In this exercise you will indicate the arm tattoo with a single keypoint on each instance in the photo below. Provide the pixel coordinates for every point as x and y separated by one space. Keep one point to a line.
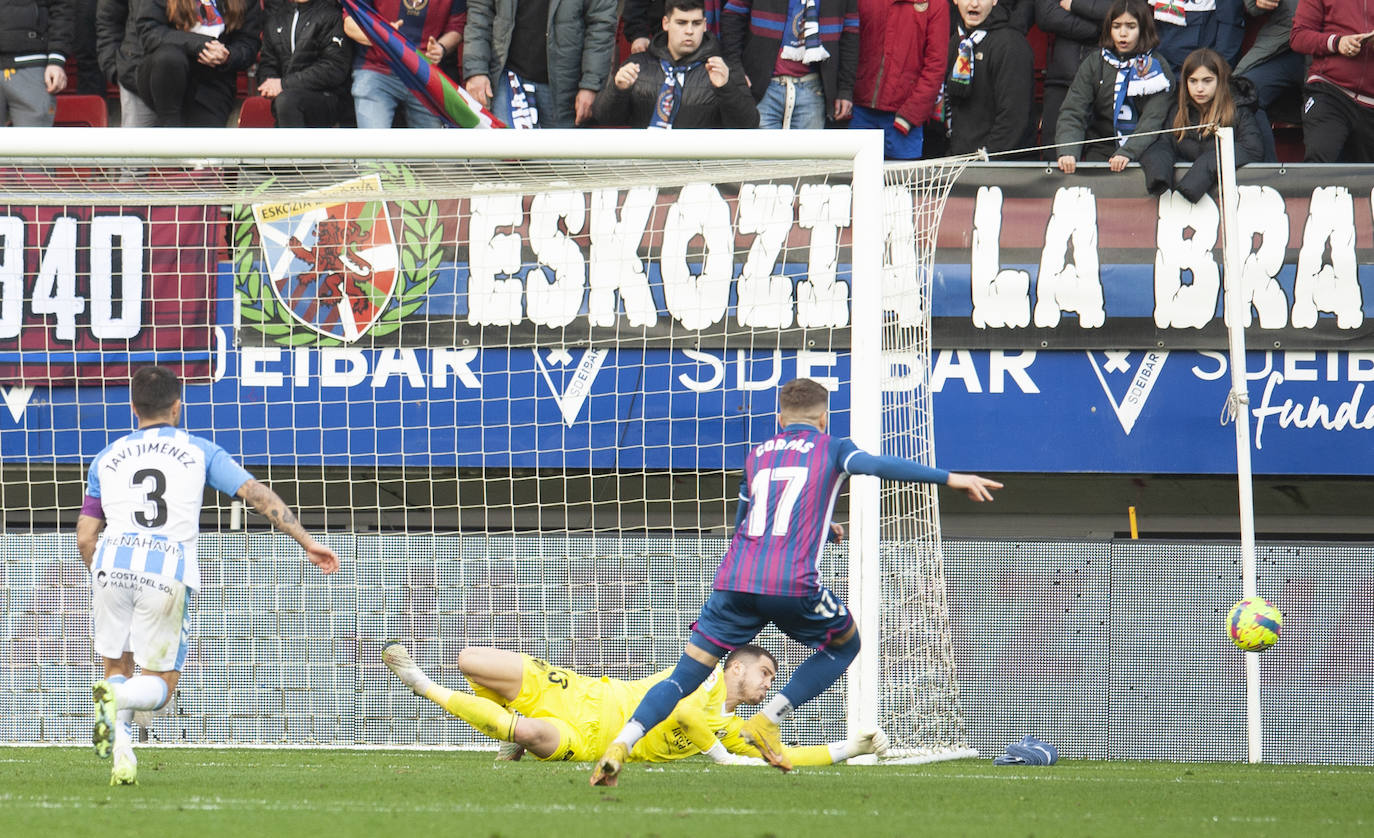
272 507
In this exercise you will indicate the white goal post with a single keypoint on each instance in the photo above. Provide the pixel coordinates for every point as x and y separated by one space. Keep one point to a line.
570 505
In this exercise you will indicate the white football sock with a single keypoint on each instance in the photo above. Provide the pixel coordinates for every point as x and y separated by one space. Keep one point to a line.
631 733
141 692
124 735
777 709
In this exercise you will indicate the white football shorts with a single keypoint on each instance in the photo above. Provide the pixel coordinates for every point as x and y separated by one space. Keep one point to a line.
143 613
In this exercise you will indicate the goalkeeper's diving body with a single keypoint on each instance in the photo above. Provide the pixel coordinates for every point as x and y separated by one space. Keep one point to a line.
769 572
559 715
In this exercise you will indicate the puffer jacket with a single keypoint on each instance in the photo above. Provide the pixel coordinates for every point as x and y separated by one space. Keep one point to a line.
34 33
322 56
1167 149
903 47
701 105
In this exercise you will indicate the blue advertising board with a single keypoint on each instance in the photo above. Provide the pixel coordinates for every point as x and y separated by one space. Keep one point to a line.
359 339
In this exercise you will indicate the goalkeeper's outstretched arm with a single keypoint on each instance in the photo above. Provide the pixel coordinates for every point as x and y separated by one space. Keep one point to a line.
868 742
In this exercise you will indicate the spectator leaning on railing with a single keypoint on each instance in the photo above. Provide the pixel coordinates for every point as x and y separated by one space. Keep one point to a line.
1338 115
1120 95
35 36
1208 97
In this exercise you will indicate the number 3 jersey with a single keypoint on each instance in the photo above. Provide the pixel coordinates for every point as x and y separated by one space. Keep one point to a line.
148 486
787 496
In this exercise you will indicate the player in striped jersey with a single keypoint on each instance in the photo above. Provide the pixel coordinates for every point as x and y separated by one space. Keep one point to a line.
562 716
769 572
137 535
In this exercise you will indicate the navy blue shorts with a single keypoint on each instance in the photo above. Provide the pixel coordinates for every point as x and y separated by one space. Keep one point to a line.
730 619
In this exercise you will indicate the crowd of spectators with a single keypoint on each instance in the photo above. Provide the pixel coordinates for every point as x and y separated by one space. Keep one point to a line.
1070 79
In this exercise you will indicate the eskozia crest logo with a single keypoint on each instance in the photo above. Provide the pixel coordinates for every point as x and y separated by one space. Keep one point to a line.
335 268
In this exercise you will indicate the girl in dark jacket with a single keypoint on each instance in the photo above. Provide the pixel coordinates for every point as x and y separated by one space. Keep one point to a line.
1120 94
1208 98
193 51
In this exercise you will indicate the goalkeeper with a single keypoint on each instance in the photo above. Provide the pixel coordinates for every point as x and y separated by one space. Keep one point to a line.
562 716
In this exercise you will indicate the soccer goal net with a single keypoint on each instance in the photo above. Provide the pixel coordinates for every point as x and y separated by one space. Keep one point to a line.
511 378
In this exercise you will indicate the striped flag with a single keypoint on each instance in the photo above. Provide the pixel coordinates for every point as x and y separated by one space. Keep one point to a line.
449 101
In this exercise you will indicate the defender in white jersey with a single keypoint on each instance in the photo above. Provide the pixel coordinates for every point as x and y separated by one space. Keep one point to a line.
137 533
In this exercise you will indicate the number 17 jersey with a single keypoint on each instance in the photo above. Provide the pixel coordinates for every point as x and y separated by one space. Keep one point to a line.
149 485
789 487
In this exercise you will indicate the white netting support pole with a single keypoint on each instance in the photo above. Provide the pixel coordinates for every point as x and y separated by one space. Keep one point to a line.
865 418
1238 405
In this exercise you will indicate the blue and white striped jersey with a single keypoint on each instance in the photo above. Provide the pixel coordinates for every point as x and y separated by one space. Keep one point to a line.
149 485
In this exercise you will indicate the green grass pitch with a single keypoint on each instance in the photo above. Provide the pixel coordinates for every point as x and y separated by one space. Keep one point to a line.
60 792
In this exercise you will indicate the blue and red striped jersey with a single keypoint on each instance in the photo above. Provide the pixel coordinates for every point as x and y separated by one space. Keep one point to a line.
790 484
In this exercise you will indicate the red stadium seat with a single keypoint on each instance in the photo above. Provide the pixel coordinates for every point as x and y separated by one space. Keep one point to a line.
256 112
1288 142
76 110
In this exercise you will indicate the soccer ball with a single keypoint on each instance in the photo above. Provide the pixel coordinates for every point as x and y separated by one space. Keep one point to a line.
1254 624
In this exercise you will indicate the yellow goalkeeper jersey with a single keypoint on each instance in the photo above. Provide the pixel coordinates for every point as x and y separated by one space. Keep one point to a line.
694 725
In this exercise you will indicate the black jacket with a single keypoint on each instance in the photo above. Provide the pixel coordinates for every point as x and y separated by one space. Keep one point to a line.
116 41
702 105
1076 35
993 111
35 32
323 57
1159 159
643 18
155 30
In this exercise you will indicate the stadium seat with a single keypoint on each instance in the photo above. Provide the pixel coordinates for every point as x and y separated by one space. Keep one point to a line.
256 112
76 110
1288 142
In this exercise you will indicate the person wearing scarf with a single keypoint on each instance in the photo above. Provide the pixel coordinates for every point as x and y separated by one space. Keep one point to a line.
1120 95
680 81
991 79
799 57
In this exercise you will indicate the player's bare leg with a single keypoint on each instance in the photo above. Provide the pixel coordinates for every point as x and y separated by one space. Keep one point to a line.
499 722
503 673
499 670
116 698
104 705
